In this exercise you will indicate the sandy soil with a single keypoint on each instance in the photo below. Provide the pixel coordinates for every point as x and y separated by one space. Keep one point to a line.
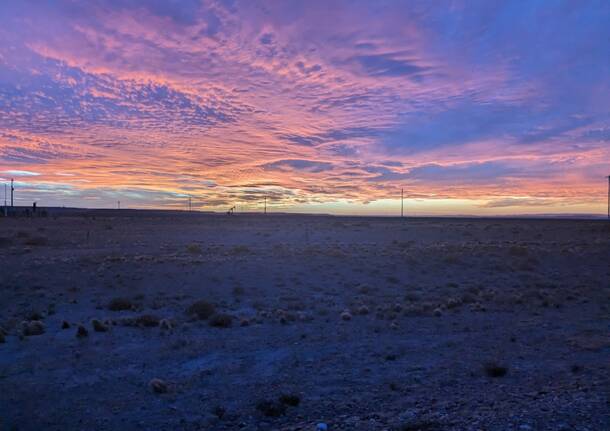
363 323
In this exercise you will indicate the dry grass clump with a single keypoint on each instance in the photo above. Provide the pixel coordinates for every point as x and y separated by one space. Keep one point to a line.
120 304
147 320
518 251
81 331
494 370
201 309
33 327
158 386
419 426
193 248
34 315
221 320
219 411
239 249
98 326
271 408
36 241
363 310
166 324
292 400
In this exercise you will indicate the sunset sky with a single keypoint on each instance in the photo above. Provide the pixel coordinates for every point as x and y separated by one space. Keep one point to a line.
473 107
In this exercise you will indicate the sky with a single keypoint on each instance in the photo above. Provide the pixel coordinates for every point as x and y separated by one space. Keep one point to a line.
470 107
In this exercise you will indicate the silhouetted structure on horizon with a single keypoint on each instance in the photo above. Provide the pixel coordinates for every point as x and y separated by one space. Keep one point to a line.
609 197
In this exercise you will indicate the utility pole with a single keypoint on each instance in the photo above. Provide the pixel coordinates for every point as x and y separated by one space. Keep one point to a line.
608 197
265 204
118 204
12 192
402 205
190 204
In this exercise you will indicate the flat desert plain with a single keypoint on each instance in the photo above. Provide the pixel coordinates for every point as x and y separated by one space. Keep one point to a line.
120 320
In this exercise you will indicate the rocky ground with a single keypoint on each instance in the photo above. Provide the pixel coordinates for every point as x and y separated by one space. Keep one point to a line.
160 321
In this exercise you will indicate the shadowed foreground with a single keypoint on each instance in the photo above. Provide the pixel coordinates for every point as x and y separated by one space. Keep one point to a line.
281 322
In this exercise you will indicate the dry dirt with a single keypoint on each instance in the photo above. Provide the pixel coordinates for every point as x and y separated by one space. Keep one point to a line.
166 321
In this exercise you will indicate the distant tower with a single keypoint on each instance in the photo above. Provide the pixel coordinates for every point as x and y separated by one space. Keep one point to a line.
12 191
402 205
118 204
265 204
190 203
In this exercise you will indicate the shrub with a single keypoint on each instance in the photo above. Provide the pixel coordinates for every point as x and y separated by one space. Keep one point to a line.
147 320
201 309
193 248
221 320
158 386
290 399
98 326
516 250
34 327
36 241
494 370
81 331
271 408
120 304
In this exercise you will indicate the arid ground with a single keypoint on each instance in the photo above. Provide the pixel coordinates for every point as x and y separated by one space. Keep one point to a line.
166 321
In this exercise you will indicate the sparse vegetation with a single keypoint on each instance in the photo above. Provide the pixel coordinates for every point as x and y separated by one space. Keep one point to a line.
158 386
193 248
166 324
346 315
36 241
201 309
219 412
518 251
495 370
271 408
290 399
120 304
98 326
81 331
33 327
221 320
147 320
